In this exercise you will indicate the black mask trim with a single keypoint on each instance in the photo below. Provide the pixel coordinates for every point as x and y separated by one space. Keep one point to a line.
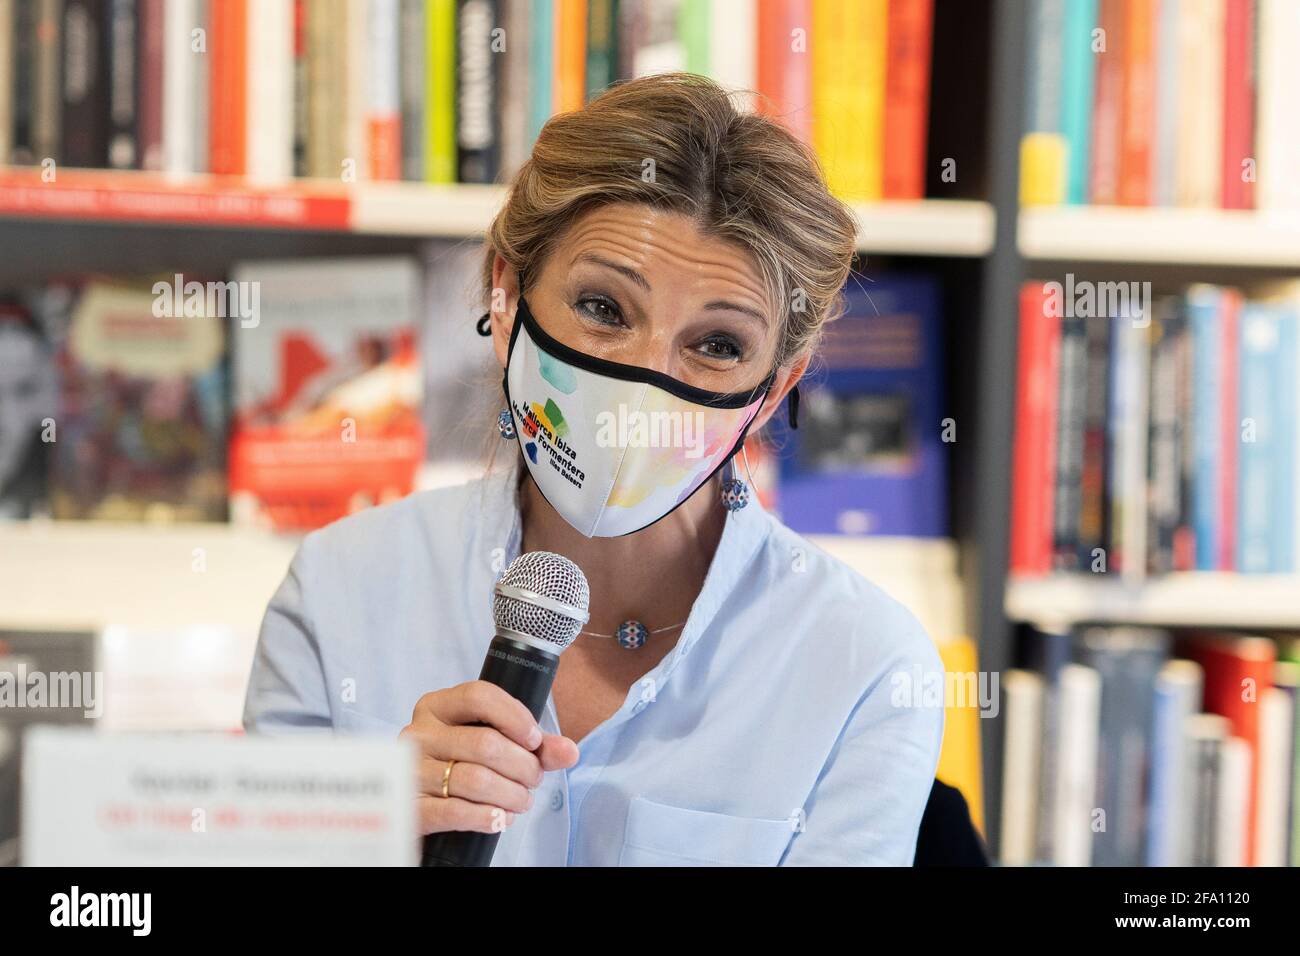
633 373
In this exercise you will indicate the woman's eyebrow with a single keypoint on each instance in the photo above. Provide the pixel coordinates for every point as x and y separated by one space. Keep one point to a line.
718 305
627 271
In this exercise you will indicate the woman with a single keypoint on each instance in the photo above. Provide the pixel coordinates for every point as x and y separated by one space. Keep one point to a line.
733 698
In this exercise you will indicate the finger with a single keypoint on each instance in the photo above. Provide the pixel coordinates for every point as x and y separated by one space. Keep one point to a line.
492 749
480 701
557 752
436 815
472 781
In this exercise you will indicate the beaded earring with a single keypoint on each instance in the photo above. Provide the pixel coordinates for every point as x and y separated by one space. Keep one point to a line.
506 425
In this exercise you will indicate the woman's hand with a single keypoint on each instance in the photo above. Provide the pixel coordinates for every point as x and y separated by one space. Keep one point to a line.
497 766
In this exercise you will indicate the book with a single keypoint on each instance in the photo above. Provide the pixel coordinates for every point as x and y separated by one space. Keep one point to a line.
1022 696
268 139
848 42
228 87
1177 698
142 424
1276 752
327 391
383 102
1207 735
1277 134
1239 72
783 76
1127 661
907 94
1034 444
85 83
1074 790
869 455
440 91
1237 671
29 410
478 90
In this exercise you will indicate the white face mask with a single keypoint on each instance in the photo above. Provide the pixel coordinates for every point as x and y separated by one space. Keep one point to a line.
614 447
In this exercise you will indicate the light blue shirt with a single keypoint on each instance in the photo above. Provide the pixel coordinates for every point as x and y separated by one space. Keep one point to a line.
778 731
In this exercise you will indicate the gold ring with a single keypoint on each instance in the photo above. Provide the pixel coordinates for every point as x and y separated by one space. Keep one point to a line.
446 779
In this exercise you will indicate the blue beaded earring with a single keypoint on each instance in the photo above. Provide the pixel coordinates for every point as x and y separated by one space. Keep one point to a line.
735 493
506 425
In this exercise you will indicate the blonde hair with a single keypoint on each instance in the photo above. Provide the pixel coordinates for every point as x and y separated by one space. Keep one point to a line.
675 141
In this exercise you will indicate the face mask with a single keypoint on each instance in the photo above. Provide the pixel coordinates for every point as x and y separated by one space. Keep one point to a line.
615 447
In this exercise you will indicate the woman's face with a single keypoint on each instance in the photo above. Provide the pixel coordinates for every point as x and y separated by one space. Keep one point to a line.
639 286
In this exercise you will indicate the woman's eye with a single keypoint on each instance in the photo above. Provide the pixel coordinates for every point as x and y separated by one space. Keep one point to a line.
721 347
601 310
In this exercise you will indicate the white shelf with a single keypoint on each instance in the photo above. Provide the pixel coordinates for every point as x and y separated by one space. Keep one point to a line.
931 227
1231 237
1184 599
928 227
423 209
72 574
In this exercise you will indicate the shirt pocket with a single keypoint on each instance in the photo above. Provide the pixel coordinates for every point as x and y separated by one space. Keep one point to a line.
661 835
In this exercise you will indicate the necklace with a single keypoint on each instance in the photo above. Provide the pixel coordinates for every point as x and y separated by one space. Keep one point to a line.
633 634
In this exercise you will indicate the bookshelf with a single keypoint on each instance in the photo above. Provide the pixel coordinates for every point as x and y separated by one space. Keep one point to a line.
934 227
1183 599
1179 237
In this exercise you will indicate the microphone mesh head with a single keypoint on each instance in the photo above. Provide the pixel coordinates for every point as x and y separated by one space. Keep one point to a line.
552 576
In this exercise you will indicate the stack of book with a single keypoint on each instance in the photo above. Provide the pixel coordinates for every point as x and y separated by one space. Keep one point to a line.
1156 433
1133 746
1162 103
446 90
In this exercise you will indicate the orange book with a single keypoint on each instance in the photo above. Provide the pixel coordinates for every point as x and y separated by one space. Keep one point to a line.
1137 103
784 82
1107 111
227 85
907 97
570 54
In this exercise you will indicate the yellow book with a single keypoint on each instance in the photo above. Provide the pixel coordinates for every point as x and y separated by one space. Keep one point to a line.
440 92
959 756
847 46
1043 164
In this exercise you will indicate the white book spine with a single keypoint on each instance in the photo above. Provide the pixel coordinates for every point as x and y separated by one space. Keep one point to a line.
733 47
1200 103
179 93
269 113
1076 782
1277 135
1023 694
1233 802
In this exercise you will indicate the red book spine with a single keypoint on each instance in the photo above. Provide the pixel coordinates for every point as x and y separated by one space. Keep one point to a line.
907 94
1033 476
227 46
784 81
1138 116
1230 435
1107 113
1237 672
150 97
1238 102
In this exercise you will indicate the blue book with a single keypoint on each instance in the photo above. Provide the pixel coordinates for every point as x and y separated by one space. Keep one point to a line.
1286 549
869 455
1078 64
1203 314
541 66
1177 697
1259 382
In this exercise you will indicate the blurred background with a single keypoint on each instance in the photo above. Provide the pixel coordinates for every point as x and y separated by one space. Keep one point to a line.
242 257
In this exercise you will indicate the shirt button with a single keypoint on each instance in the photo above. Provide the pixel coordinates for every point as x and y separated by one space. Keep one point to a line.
557 800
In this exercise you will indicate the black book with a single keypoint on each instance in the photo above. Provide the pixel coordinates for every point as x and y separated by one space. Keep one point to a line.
85 83
478 85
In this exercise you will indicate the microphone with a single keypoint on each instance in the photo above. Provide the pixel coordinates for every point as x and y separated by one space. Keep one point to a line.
538 606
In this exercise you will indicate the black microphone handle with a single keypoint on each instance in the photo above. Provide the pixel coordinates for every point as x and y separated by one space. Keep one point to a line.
525 673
